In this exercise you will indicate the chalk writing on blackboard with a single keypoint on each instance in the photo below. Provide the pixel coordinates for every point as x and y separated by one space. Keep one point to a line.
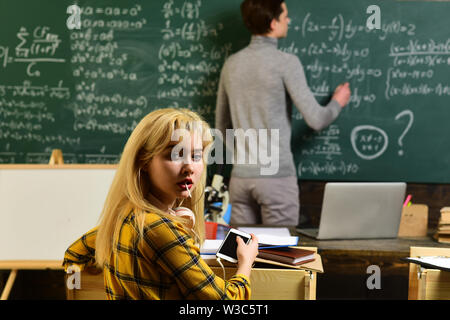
83 90
369 142
410 115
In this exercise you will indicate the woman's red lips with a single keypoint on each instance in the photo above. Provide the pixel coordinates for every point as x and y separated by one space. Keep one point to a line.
185 184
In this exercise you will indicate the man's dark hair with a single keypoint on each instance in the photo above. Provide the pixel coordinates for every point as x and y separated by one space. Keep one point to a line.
258 14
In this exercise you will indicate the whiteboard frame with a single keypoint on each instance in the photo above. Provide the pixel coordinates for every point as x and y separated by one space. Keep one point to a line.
44 264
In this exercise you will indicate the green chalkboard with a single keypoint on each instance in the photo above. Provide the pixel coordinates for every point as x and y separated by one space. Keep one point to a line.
396 124
83 90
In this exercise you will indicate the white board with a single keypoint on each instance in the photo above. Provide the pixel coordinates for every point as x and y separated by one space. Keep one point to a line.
44 210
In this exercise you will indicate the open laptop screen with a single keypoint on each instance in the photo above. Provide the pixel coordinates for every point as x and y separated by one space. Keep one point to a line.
361 210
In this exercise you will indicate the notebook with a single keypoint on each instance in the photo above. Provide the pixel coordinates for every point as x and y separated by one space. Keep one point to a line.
288 255
359 210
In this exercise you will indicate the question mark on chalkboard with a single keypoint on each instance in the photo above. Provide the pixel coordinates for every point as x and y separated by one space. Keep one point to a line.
410 114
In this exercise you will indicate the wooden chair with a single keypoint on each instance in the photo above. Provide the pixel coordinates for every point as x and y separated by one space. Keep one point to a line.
267 284
92 286
278 284
428 284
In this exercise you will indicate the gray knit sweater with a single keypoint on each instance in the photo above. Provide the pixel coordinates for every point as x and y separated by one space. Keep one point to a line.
257 87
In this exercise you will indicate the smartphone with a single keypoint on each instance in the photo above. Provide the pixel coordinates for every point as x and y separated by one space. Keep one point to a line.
227 249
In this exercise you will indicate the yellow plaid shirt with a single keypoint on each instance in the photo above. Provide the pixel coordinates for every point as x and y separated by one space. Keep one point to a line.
163 264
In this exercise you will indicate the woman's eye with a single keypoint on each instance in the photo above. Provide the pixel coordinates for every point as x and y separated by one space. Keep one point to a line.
175 156
197 157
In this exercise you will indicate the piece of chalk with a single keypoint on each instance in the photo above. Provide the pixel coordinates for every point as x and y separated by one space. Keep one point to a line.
189 191
407 200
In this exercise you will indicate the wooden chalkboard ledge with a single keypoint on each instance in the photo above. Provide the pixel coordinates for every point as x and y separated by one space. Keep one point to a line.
31 264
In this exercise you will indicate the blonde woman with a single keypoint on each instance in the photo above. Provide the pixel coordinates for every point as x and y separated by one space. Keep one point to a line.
148 248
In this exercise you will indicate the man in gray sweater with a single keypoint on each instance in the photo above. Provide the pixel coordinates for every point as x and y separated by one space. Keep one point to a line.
257 87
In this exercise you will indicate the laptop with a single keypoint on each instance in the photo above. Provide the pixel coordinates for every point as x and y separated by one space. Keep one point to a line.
359 210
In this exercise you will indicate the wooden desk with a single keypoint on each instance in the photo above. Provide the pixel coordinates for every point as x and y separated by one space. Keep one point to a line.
345 265
267 284
428 284
432 285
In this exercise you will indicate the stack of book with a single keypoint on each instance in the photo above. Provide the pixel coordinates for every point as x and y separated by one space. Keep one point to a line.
443 232
287 255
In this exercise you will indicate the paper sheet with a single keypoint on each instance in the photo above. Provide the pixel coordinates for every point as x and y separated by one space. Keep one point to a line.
279 232
437 261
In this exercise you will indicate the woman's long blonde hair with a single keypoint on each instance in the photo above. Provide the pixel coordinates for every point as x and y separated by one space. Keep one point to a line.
130 186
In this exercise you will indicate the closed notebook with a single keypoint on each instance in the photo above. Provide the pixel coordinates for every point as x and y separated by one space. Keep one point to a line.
287 255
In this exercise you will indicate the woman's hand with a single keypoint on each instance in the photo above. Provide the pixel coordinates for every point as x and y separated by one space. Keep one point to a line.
246 255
